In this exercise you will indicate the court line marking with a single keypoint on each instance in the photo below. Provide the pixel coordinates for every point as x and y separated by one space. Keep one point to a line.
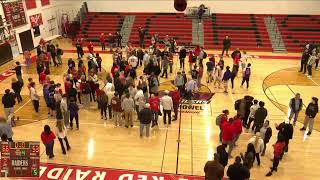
164 148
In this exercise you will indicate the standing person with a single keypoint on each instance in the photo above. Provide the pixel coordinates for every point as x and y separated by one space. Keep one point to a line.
226 45
182 56
47 138
90 47
179 82
217 75
128 109
311 112
110 93
228 135
220 120
119 38
27 57
259 117
200 74
133 61
304 60
191 87
167 104
225 79
295 107
210 66
116 109
34 97
311 61
102 40
252 113
145 116
59 54
140 55
18 70
237 171
61 132
102 104
223 155
16 86
277 151
192 59
237 128
248 157
53 54
236 56
99 61
286 131
213 169
154 102
258 144
165 65
65 110
175 95
74 113
246 75
79 48
142 33
265 133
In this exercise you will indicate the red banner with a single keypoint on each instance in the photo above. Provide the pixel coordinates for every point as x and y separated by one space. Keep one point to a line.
31 4
45 2
36 20
14 13
56 171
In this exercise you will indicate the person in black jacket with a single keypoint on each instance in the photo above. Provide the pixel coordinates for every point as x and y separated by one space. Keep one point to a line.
285 130
259 117
226 45
304 60
16 86
182 56
223 155
142 33
295 107
145 117
237 171
311 112
266 133
8 102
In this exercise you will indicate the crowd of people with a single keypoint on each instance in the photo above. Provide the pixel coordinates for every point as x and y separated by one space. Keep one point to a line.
124 96
310 57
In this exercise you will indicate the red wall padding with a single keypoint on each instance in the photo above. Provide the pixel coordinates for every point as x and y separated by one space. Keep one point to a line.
31 4
45 2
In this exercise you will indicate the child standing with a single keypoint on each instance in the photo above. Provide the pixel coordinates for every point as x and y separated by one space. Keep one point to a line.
47 138
225 79
217 75
246 75
62 135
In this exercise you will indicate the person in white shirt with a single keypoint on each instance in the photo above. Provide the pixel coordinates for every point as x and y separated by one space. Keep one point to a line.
167 104
133 61
217 76
253 110
139 100
34 96
191 86
258 144
61 133
65 110
110 95
146 59
244 60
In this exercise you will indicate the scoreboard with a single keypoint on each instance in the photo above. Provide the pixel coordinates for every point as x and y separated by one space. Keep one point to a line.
20 159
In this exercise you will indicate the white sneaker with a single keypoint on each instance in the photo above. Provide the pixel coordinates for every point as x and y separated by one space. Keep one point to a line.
309 76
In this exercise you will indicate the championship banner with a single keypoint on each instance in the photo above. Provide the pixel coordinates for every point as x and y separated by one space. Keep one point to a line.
14 13
36 20
57 171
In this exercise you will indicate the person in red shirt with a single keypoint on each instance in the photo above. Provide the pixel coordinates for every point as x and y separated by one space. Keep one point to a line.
190 60
220 120
154 102
237 127
42 76
114 69
90 47
236 56
102 40
278 148
228 135
175 95
47 138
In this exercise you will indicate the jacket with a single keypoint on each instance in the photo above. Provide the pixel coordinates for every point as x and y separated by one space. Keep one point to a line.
260 115
248 159
226 43
73 108
238 172
145 116
223 155
213 170
116 104
266 134
16 86
154 103
127 105
182 53
227 132
226 75
285 130
8 100
237 125
293 104
312 110
175 95
47 138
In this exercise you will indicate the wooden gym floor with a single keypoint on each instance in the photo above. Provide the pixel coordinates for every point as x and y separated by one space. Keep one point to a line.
99 144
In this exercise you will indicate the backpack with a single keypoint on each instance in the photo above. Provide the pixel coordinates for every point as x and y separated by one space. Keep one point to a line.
218 119
237 104
204 55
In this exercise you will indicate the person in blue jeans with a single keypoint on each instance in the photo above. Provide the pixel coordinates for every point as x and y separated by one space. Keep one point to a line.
74 109
47 138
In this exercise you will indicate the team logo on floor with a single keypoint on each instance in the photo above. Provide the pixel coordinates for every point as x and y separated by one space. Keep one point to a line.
201 99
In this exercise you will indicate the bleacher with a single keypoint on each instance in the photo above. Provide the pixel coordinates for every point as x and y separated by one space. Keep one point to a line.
246 32
298 30
174 25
